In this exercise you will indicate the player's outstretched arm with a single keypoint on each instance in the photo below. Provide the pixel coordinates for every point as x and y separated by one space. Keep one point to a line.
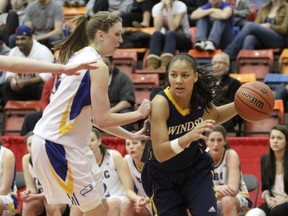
24 65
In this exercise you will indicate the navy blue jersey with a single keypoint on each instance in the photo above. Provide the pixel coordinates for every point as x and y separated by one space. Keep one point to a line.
179 123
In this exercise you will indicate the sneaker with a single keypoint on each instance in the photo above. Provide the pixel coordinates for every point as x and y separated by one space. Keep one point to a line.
209 46
200 45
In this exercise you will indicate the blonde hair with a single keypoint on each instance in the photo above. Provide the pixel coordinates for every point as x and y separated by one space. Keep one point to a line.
84 33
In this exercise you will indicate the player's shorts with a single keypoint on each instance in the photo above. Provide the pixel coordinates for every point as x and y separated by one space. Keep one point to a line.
173 192
9 205
68 175
245 205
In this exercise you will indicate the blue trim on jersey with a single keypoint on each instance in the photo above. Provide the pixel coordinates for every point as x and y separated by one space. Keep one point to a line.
56 155
82 97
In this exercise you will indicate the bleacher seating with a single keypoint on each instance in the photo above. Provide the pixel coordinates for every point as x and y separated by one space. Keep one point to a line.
260 62
203 57
72 12
14 113
273 80
263 127
126 60
243 78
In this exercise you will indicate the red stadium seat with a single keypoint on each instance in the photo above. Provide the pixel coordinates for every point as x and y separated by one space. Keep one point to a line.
13 115
126 60
259 62
203 57
263 127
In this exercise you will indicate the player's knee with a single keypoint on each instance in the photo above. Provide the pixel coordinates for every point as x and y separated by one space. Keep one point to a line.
256 212
228 203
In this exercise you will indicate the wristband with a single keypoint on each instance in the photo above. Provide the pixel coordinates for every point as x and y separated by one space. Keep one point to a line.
175 146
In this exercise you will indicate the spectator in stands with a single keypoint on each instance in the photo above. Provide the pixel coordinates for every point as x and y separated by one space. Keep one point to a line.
281 92
46 19
274 174
121 91
269 30
192 6
27 86
32 118
241 12
34 202
232 193
227 87
140 14
172 33
13 19
111 164
214 25
116 7
137 203
8 196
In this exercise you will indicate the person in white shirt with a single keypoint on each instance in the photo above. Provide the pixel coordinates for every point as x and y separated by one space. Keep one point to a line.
27 86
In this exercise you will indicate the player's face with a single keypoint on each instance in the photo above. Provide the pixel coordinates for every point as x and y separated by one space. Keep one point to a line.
112 39
277 141
182 78
216 143
95 142
134 149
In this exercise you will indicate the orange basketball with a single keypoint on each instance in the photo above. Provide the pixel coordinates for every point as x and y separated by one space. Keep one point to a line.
254 101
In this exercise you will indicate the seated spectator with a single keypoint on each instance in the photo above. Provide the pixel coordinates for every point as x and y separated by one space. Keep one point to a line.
192 6
241 12
138 203
214 25
140 15
227 87
274 174
172 33
111 164
34 202
32 118
269 30
46 19
121 91
13 19
8 196
26 86
117 7
232 193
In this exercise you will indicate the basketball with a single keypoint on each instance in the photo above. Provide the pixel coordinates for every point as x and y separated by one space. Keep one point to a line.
254 101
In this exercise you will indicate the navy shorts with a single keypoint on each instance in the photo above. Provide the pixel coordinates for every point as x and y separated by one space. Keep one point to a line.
173 192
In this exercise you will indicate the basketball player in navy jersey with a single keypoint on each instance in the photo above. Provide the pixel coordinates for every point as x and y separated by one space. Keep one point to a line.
179 173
